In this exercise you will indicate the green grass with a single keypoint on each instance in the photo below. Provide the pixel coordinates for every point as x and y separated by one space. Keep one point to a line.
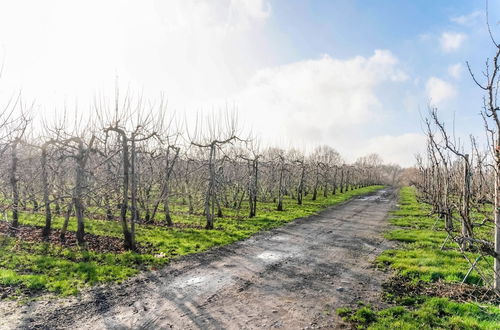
46 267
420 259
433 313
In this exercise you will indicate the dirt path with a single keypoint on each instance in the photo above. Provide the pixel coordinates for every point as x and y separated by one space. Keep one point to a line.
292 277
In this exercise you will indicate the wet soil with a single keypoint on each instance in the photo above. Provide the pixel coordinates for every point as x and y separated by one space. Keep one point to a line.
102 244
292 277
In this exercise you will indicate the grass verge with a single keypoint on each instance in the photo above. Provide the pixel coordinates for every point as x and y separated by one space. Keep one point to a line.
428 293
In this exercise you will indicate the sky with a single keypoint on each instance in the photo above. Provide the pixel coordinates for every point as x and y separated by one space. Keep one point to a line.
356 75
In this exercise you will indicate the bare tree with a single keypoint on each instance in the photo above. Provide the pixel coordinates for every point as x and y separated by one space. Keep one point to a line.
218 133
491 115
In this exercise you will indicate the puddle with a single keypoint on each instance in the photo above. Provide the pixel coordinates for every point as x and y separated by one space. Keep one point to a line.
190 281
379 196
270 256
370 246
369 198
280 238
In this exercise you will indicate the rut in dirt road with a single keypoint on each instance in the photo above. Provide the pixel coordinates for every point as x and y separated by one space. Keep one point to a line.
292 277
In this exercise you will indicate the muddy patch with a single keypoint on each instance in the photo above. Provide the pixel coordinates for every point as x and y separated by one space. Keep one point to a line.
101 244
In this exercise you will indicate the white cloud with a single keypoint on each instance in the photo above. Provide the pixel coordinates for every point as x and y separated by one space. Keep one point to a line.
469 19
455 70
439 91
451 41
399 149
326 100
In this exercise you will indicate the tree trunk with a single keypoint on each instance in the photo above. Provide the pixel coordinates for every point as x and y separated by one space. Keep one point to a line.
67 215
219 208
169 167
300 191
166 207
496 265
466 223
46 201
109 211
209 198
14 186
252 191
335 181
280 188
168 217
127 235
326 178
341 180
347 180
188 190
57 206
78 194
134 217
316 183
